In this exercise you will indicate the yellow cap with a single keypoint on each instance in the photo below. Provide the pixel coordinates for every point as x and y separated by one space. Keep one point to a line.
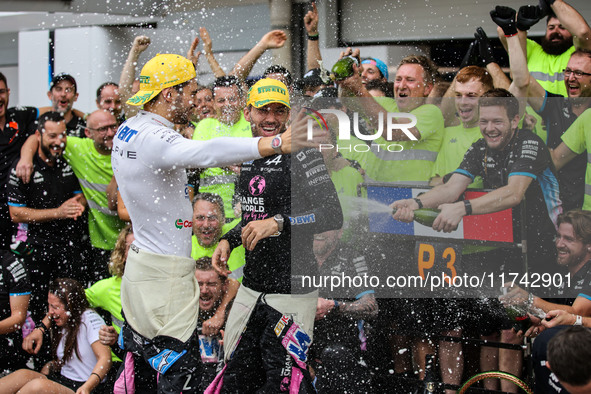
161 72
267 91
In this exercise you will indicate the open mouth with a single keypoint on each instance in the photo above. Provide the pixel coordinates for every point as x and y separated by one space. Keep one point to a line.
270 129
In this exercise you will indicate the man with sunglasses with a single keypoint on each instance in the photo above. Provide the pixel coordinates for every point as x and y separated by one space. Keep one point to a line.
559 112
90 158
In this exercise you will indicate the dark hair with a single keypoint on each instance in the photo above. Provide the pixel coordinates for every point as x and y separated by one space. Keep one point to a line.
581 222
51 116
99 91
206 264
551 15
569 353
469 73
377 84
277 69
211 198
227 81
429 68
72 295
3 79
502 98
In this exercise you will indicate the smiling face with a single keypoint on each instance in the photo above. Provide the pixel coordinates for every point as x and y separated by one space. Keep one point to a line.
228 104
410 88
57 310
208 221
466 98
578 86
557 38
571 250
110 100
101 127
268 120
62 96
370 72
496 127
211 289
204 106
52 141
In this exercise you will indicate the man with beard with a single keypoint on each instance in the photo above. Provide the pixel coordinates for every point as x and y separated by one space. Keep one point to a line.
559 113
212 290
90 158
228 101
566 31
159 291
573 244
16 125
109 99
285 200
51 205
63 93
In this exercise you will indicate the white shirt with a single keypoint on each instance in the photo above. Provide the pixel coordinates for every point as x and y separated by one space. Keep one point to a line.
149 160
88 333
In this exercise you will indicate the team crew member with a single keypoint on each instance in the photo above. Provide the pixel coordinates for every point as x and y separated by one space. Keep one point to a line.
159 293
16 125
51 205
15 291
285 200
63 93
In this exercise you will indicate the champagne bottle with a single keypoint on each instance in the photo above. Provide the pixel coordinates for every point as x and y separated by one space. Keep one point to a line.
429 381
343 68
424 216
518 316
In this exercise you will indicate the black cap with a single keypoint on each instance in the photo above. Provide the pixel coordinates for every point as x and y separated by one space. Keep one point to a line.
63 77
313 78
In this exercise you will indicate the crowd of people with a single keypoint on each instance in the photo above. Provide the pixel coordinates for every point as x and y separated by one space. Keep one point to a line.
158 244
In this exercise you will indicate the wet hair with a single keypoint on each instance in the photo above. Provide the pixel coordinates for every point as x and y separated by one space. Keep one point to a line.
117 262
502 98
51 116
277 69
3 79
227 81
206 264
429 68
212 198
469 73
568 354
581 222
99 91
377 84
72 295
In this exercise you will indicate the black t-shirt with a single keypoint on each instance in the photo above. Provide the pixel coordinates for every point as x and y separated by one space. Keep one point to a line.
20 124
299 188
558 116
337 327
49 188
75 127
527 155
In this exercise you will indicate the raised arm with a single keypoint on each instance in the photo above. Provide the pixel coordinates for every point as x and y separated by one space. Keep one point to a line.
213 63
140 44
272 40
313 52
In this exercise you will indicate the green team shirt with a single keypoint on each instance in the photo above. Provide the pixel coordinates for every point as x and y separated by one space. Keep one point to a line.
456 141
94 173
106 294
414 161
547 69
218 180
578 138
237 257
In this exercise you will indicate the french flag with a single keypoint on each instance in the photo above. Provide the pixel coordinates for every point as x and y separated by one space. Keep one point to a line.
495 227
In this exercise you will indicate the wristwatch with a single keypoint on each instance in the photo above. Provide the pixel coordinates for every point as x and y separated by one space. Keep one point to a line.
579 321
279 219
276 143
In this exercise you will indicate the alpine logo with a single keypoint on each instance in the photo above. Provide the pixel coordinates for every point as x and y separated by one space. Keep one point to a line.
183 224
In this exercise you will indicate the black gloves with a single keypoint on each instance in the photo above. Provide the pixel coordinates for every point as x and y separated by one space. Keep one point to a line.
545 7
485 50
505 18
470 56
528 16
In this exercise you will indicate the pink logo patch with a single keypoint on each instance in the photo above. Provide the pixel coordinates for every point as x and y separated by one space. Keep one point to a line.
257 185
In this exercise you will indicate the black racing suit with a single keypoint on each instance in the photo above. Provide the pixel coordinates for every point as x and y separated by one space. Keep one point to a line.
299 188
